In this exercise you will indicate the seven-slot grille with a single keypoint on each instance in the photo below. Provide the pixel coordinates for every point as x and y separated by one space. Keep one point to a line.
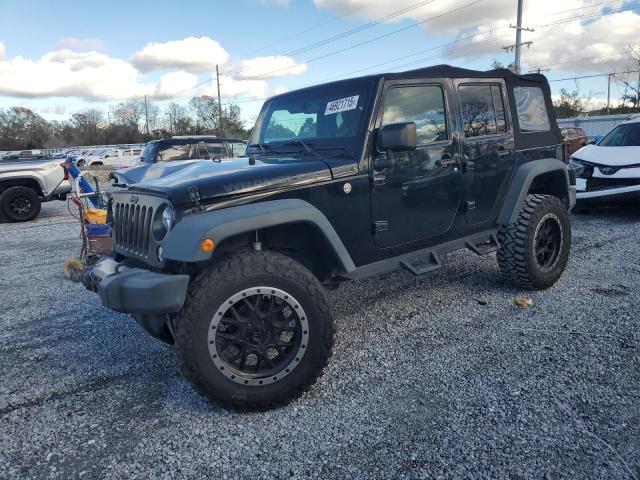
132 227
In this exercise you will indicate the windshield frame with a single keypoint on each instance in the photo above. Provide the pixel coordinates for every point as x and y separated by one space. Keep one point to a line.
367 86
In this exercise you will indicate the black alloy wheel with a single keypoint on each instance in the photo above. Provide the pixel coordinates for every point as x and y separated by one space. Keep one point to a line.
258 336
547 242
20 204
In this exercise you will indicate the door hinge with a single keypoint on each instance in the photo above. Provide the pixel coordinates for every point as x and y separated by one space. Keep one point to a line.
381 226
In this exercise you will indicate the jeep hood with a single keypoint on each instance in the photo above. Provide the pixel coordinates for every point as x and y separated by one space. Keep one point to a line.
220 179
610 156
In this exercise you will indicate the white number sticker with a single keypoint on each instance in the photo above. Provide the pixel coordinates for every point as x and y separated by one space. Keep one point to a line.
342 105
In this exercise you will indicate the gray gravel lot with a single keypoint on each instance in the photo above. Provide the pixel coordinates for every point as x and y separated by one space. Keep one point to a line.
439 376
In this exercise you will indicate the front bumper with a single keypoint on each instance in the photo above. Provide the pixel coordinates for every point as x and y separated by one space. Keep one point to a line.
137 290
611 196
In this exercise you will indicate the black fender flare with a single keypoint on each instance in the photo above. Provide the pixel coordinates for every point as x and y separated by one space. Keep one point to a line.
183 242
521 181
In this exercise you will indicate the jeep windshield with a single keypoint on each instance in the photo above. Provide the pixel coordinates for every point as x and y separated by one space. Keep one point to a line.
305 122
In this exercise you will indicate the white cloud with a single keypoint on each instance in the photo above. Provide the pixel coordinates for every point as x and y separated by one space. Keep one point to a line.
561 45
194 54
173 84
271 66
53 109
81 44
62 73
2 51
231 87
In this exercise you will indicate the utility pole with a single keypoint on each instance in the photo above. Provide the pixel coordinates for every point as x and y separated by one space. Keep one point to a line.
146 115
170 123
219 101
609 94
519 43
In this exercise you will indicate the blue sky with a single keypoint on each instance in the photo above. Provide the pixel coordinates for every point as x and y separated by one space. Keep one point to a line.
107 54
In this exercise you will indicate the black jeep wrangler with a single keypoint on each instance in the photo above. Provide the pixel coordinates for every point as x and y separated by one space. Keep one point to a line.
341 181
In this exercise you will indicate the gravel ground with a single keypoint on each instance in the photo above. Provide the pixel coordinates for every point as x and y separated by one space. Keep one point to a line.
439 376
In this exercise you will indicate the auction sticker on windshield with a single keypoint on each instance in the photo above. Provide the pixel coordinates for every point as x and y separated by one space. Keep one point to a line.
342 105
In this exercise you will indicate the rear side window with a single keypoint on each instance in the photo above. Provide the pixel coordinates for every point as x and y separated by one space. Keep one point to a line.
171 153
482 110
532 110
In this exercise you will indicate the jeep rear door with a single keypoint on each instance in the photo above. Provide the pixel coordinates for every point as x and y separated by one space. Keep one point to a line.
418 196
488 147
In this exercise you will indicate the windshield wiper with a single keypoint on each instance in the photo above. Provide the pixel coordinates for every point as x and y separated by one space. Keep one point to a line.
306 146
262 146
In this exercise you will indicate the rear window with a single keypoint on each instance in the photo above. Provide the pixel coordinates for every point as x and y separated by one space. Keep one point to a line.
532 110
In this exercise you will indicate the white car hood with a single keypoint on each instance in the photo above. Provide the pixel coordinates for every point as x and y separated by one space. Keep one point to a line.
611 156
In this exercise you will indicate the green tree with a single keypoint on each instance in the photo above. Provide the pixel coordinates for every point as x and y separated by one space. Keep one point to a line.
569 104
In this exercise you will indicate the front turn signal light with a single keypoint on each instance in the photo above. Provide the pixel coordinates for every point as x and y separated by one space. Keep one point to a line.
207 245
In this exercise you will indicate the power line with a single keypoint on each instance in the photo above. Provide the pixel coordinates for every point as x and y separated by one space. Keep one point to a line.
315 27
245 99
324 42
592 76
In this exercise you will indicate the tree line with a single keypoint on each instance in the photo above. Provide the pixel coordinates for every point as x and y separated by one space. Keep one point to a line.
132 121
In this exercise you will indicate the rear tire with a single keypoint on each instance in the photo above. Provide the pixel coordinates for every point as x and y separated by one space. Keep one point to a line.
534 250
20 204
255 332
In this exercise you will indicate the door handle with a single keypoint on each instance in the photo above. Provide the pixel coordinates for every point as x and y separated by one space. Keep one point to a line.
502 152
446 160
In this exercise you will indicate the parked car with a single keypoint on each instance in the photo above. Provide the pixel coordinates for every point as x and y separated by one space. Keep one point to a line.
167 151
342 181
118 158
86 155
609 172
574 140
26 183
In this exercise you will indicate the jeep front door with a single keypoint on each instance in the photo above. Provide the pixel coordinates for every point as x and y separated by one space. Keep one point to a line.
418 195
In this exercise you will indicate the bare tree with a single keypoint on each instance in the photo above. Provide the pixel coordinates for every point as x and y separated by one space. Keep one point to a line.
207 113
86 127
632 87
129 113
178 120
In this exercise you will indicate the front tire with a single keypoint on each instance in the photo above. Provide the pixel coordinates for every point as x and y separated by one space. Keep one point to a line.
20 204
255 332
534 250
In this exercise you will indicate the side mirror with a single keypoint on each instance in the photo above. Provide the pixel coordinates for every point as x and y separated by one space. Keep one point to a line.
398 137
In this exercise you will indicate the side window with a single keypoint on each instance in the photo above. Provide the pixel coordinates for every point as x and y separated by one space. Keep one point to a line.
173 152
423 105
215 150
237 149
482 110
532 110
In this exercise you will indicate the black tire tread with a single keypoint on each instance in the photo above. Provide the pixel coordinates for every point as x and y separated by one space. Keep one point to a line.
512 255
5 195
242 265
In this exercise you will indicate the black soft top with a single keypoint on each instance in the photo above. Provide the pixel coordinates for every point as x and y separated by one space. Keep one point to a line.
524 140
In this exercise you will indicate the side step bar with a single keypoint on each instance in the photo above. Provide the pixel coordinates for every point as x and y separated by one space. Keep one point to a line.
428 259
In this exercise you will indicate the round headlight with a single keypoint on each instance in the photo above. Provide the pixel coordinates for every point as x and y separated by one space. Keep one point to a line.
167 218
162 220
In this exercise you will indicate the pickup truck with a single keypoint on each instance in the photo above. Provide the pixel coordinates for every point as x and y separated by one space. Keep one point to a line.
26 183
